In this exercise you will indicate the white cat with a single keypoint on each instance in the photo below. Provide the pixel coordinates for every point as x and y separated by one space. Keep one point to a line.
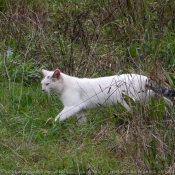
80 94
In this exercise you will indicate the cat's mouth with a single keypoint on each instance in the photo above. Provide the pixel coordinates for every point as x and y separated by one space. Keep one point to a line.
45 92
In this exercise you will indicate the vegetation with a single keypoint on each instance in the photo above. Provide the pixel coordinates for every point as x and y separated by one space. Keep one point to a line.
84 39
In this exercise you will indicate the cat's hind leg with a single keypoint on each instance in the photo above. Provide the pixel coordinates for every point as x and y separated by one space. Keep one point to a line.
159 96
81 117
125 105
168 102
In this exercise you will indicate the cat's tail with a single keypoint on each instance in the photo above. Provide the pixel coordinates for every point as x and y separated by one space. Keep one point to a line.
160 90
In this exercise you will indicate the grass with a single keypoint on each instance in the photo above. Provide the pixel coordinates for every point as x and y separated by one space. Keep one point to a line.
85 39
31 142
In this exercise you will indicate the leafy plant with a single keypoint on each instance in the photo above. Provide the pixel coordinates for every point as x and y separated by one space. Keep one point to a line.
85 39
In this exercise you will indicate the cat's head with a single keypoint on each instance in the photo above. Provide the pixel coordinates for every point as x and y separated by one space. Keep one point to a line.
52 81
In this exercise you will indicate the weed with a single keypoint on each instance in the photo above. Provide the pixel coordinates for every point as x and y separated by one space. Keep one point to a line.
84 38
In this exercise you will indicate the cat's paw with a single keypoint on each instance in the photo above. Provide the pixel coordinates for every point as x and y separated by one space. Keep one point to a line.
57 118
60 118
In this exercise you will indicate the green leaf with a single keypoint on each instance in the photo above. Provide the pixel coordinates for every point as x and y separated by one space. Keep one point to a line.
132 51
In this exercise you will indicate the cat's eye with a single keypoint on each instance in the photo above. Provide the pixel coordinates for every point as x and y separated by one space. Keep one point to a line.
47 84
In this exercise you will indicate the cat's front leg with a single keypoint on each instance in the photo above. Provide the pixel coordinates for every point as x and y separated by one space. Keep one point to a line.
67 112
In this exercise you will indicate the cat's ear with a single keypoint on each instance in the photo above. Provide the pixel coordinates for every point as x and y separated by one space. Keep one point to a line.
56 74
45 72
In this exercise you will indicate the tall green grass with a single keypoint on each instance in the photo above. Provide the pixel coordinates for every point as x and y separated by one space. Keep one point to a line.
92 39
111 141
31 141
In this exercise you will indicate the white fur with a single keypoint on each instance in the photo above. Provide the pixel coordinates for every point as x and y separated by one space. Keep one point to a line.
81 94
